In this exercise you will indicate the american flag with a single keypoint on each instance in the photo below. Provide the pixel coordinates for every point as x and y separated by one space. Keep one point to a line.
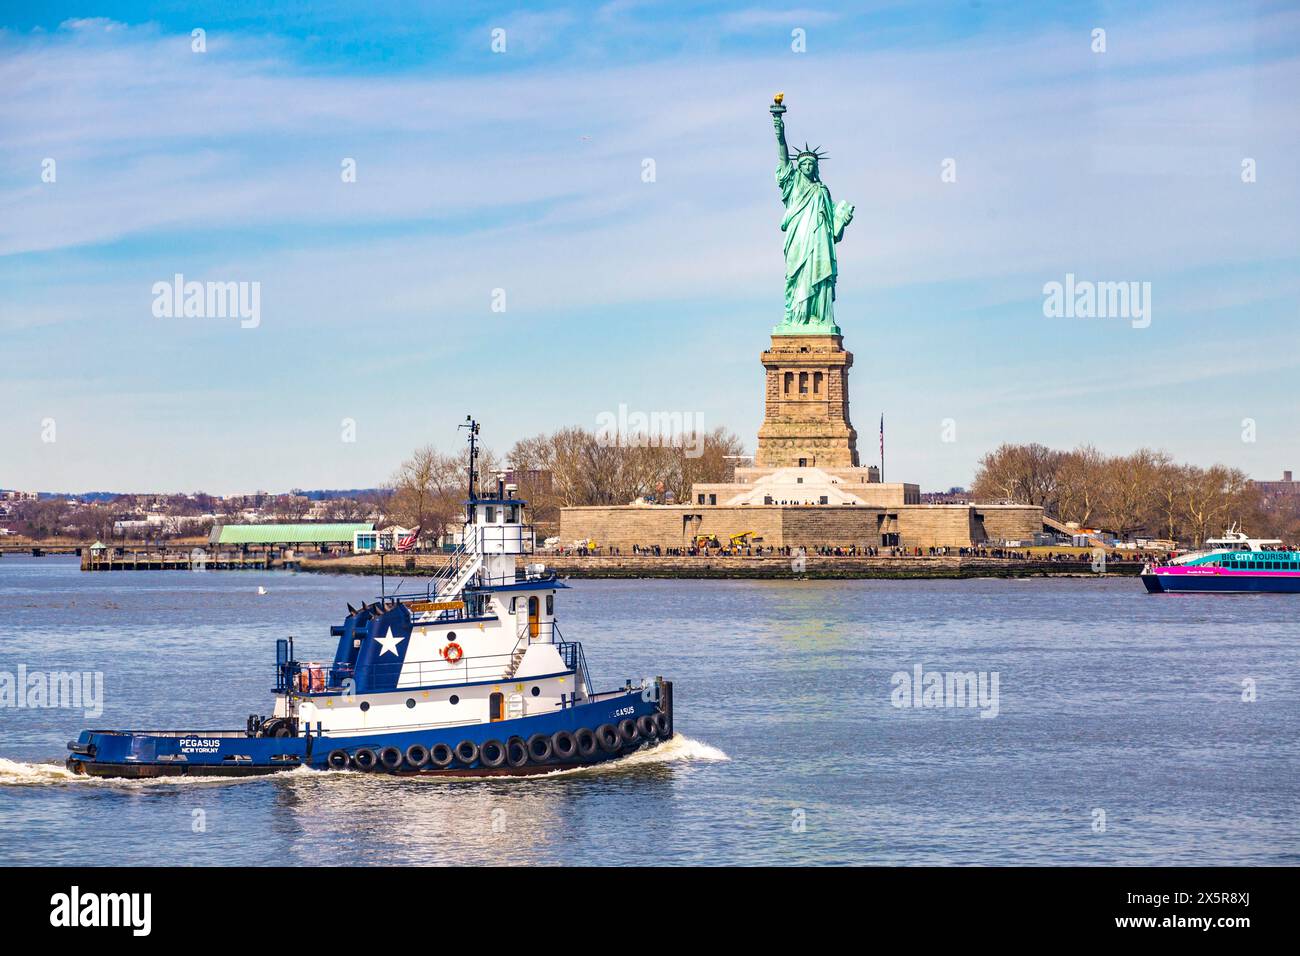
882 435
408 543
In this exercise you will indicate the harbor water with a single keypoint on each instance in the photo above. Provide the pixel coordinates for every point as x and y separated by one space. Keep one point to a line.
1104 726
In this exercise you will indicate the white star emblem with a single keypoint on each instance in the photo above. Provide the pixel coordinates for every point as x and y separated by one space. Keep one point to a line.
389 643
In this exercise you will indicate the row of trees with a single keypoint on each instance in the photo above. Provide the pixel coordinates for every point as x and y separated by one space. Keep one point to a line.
568 467
87 520
1142 493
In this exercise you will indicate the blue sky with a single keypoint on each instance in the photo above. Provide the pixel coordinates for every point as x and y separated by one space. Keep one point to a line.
522 171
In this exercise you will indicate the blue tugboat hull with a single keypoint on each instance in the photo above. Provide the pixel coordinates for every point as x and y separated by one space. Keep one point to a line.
136 754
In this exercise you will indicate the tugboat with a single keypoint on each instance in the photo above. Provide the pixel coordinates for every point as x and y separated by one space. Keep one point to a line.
470 677
1233 563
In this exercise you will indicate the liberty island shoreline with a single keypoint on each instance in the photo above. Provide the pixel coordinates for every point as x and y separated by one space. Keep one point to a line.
777 566
754 567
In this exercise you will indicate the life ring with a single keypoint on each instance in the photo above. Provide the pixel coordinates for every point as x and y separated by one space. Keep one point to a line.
452 653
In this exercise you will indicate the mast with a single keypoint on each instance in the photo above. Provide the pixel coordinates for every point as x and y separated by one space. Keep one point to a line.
472 426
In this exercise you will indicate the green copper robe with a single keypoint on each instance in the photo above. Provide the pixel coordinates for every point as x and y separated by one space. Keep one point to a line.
812 225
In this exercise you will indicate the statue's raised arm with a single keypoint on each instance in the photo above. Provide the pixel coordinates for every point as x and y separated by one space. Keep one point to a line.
782 150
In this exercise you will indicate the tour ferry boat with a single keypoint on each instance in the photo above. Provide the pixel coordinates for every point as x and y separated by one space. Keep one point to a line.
469 677
1233 563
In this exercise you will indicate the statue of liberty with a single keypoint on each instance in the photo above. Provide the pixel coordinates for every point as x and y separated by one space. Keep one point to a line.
812 225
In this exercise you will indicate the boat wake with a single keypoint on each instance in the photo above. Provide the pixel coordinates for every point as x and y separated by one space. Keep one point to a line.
14 773
680 749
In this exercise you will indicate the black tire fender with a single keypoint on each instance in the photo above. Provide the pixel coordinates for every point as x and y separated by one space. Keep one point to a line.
608 739
390 757
467 752
365 759
337 760
417 755
586 741
539 748
563 745
516 751
492 753
627 731
441 755
645 726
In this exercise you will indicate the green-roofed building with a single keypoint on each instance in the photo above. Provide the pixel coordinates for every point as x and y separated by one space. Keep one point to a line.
323 536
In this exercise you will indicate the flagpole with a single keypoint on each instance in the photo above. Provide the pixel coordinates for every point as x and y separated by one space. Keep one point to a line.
882 448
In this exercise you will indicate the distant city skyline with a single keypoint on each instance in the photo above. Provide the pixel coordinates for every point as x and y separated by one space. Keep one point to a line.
989 152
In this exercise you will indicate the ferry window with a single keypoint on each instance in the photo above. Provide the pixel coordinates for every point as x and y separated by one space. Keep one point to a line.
490 514
365 706
410 702
451 635
454 699
550 604
513 602
537 691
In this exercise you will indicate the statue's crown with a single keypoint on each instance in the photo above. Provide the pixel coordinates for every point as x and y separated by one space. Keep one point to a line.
814 151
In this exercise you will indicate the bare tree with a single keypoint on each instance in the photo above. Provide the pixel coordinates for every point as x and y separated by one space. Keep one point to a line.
1131 490
1210 496
1081 477
427 491
1023 473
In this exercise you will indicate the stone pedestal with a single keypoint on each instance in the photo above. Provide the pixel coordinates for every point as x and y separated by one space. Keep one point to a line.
807 416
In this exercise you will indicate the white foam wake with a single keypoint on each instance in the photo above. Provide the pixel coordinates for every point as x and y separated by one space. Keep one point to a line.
679 748
16 774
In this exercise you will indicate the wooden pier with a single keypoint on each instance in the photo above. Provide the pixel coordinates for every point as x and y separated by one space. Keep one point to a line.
186 559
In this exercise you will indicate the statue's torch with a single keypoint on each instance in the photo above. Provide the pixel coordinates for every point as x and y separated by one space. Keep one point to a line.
777 107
